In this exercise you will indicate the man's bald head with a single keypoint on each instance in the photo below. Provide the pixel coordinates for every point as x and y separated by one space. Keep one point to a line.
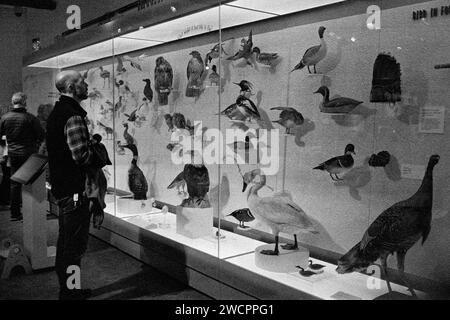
71 82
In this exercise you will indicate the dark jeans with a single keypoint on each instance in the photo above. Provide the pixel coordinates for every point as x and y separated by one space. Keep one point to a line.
16 162
73 236
5 185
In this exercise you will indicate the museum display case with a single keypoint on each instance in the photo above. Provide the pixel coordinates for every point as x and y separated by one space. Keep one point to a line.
272 150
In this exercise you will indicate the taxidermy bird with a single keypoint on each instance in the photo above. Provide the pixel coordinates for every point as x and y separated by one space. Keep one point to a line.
214 53
336 105
179 183
289 118
279 213
108 130
396 229
163 80
120 68
246 88
105 75
243 109
197 182
246 50
214 77
242 215
128 137
194 74
119 105
340 164
314 54
134 62
169 121
136 180
148 92
132 116
380 160
264 57
119 83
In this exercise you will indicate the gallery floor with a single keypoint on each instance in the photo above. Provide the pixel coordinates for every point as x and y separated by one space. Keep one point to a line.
111 274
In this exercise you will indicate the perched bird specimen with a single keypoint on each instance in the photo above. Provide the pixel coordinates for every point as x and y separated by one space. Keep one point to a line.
314 54
396 229
119 83
214 53
289 118
178 183
169 121
194 74
132 116
279 213
246 88
136 180
105 75
214 77
246 50
128 137
305 273
163 80
264 57
243 109
197 182
336 105
119 105
148 92
242 215
338 165
108 130
134 62
120 68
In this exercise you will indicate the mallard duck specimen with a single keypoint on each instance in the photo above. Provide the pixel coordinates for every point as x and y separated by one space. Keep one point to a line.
242 215
128 137
264 57
336 105
194 72
105 75
289 118
136 180
148 92
214 77
340 164
134 62
163 80
108 130
178 183
246 50
279 213
246 88
314 54
396 229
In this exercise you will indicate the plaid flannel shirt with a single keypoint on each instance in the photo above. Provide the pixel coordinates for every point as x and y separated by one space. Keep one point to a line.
78 140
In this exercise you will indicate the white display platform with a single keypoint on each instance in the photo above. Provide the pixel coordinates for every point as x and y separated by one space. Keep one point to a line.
194 222
284 262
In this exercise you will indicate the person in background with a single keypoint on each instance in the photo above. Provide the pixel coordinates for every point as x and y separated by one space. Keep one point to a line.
71 156
24 134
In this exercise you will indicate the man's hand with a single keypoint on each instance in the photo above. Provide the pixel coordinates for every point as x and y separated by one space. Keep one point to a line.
97 213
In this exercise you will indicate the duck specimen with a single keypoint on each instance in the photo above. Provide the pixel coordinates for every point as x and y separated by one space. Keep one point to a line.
289 118
264 57
396 229
135 63
314 54
246 88
242 215
315 266
214 77
105 75
163 80
136 180
305 273
148 92
179 183
128 137
243 109
336 105
246 50
194 72
108 130
279 213
338 165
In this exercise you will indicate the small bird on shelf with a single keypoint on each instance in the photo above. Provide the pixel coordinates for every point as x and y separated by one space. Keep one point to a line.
265 58
242 215
214 77
243 109
194 72
314 54
289 118
340 164
336 105
137 183
163 80
396 229
179 183
246 50
148 92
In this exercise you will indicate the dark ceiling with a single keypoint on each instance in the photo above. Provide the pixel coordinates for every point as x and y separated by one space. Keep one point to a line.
37 4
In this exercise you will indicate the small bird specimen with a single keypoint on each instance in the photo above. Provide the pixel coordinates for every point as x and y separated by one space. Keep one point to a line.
148 92
314 54
197 182
305 273
264 57
132 116
137 183
108 130
194 72
336 105
169 121
242 215
380 160
163 80
120 68
245 52
179 183
214 53
340 164
119 105
279 213
128 137
134 62
243 109
105 75
315 266
246 88
289 118
396 229
214 77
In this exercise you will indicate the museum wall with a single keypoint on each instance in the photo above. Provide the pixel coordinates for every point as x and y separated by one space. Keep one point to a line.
341 210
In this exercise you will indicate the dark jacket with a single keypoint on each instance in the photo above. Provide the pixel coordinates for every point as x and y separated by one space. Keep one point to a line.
23 132
66 176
